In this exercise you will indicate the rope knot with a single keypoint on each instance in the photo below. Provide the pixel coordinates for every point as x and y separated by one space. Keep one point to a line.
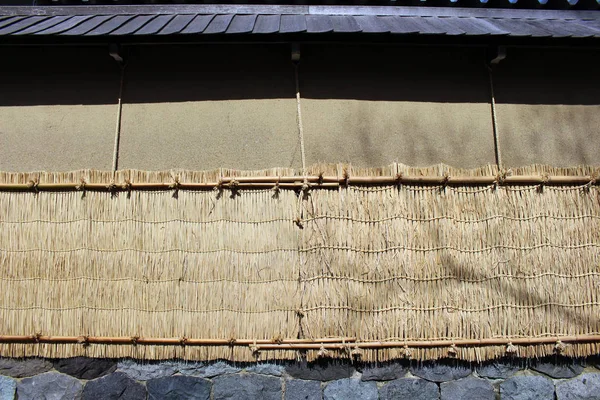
399 176
305 188
234 186
128 186
36 337
453 351
231 341
34 185
83 340
445 179
183 341
346 177
501 178
134 340
593 179
277 339
320 178
298 222
175 184
276 189
511 349
112 187
255 350
323 352
300 313
407 352
356 353
559 347
81 186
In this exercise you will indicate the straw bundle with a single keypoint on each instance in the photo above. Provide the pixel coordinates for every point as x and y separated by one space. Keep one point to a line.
395 263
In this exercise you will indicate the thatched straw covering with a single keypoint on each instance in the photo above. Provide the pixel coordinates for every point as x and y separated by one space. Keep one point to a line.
251 271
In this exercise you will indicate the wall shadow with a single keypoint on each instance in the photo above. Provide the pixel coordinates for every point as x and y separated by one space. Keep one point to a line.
52 75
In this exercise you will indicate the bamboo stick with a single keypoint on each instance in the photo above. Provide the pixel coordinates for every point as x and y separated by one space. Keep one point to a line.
436 343
297 344
295 182
124 340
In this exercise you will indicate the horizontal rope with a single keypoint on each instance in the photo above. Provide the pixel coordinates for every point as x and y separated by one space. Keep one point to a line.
316 248
162 310
315 308
315 218
149 281
450 308
448 277
312 278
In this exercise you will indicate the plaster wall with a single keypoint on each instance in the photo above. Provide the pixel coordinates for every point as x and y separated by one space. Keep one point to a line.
548 107
57 109
210 106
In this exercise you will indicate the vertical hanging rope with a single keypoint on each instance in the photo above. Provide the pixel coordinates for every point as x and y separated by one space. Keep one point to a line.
303 193
305 185
300 126
494 118
115 163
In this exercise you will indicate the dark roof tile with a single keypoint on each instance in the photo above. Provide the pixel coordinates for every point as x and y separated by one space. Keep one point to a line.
50 22
344 23
198 24
219 24
267 24
110 25
155 25
275 19
133 25
318 24
176 25
81 28
20 25
242 24
67 24
10 20
292 24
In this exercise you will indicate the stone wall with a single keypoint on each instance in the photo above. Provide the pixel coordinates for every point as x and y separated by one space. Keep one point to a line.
86 378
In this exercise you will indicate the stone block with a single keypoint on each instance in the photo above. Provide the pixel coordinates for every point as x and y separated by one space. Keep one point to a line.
49 385
84 367
350 389
409 389
114 386
24 367
497 370
298 389
387 372
470 388
558 370
584 387
320 371
246 386
178 387
525 387
216 369
7 388
141 371
267 369
440 372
